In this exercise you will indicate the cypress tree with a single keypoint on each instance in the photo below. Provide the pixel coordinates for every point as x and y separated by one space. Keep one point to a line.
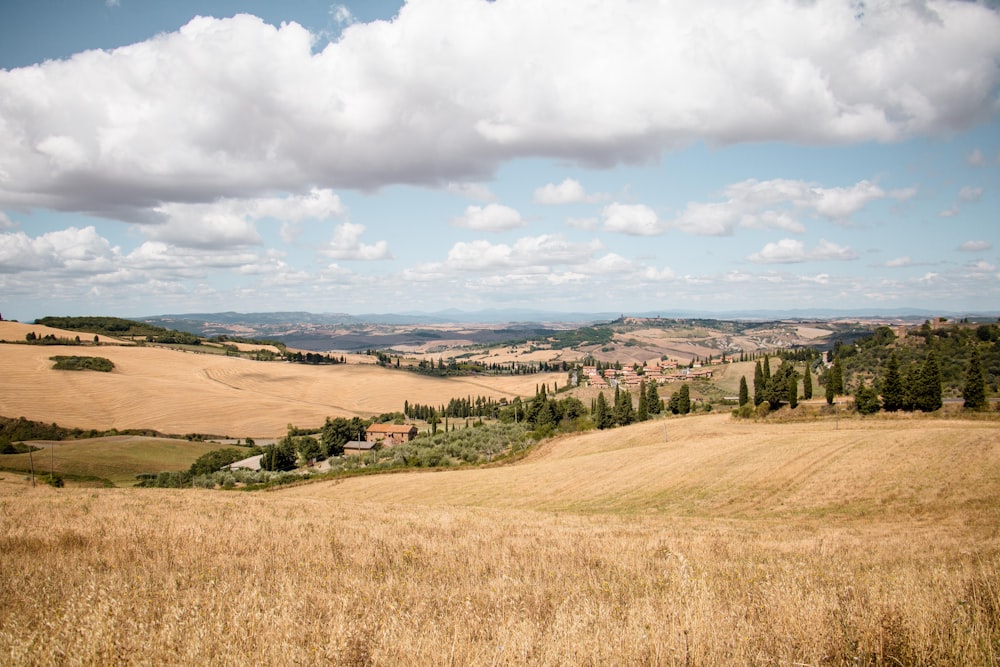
684 399
929 393
652 399
893 397
866 399
758 385
793 392
837 377
601 416
974 392
829 390
767 371
744 391
643 411
807 382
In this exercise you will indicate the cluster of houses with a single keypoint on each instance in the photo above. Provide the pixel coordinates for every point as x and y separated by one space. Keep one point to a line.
383 435
662 373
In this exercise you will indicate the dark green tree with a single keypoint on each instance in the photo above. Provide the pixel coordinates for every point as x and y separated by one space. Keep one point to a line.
807 382
837 377
684 399
744 391
766 370
652 399
829 391
866 399
777 389
758 385
928 397
974 391
280 456
602 419
893 396
642 411
793 392
624 414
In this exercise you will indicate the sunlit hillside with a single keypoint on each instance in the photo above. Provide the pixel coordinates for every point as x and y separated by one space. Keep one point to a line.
187 392
703 542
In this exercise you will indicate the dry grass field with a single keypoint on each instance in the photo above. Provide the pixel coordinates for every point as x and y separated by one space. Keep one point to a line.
863 542
187 392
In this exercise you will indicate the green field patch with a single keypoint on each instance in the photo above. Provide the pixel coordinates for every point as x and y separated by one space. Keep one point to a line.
75 363
115 458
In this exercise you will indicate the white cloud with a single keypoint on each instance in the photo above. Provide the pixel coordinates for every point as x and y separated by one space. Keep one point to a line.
970 193
73 250
975 246
632 219
534 253
778 204
791 251
975 158
489 218
950 212
346 244
430 97
568 192
898 262
341 14
5 222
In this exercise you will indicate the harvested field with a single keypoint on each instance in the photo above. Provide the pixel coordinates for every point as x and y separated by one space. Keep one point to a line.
187 392
731 543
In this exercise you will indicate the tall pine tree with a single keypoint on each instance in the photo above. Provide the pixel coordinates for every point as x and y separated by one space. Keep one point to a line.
929 392
744 391
807 382
601 417
758 385
974 391
893 396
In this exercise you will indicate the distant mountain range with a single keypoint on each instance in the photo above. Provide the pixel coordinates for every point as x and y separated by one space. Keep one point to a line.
527 316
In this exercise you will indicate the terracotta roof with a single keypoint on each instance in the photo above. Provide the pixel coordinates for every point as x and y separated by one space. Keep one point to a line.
390 428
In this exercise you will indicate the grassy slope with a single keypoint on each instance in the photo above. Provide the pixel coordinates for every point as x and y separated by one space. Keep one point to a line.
118 458
712 466
731 543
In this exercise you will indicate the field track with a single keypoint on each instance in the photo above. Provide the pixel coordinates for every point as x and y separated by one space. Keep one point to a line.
187 392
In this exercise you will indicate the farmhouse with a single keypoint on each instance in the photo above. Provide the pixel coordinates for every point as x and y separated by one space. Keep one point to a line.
391 434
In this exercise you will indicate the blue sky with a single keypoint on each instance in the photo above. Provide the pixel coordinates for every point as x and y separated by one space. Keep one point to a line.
548 154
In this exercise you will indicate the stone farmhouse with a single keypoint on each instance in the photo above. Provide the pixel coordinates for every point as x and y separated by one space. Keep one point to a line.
391 434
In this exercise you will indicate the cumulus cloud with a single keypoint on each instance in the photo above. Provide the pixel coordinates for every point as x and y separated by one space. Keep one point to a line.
72 249
568 192
975 246
489 218
346 244
779 204
236 107
792 251
632 219
231 222
537 253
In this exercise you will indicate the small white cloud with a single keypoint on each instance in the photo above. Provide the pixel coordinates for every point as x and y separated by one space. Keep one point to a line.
970 193
791 251
346 244
975 246
341 14
950 212
112 3
898 262
5 222
982 266
632 219
489 218
975 158
568 192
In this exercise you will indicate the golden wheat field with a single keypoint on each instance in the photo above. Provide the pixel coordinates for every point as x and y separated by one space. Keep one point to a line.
858 542
187 392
